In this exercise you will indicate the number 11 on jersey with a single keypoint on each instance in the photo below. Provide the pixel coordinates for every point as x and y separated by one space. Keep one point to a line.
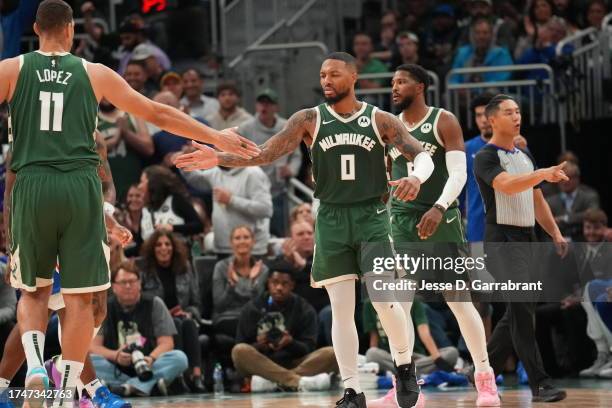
45 110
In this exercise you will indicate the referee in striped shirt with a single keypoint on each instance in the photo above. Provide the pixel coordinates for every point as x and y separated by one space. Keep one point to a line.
510 187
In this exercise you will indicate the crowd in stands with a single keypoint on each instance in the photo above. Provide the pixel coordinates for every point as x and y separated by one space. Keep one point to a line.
219 267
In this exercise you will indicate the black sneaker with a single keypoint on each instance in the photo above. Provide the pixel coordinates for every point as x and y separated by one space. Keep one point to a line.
407 389
352 400
548 393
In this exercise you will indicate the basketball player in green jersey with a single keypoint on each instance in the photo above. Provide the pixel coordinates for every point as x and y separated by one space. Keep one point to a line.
433 215
56 205
347 141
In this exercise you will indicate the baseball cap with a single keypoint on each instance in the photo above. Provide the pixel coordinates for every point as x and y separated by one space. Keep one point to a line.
408 34
444 9
142 52
170 75
269 94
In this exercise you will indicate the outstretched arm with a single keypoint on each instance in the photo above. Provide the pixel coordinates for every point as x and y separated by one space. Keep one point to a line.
108 84
299 126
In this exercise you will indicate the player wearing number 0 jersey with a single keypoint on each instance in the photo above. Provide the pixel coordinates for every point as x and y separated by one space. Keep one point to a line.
347 141
54 208
433 215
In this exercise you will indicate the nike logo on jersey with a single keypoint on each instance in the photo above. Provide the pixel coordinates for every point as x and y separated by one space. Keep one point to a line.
325 122
382 210
451 220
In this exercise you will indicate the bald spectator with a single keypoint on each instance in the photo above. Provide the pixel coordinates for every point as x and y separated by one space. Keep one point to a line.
173 82
229 113
199 104
259 129
571 203
145 53
136 76
132 33
167 143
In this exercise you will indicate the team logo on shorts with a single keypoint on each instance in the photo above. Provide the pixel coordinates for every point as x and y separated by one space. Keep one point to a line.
426 128
363 121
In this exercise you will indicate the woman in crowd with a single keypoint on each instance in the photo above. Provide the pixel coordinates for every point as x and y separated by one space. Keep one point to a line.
131 218
167 273
302 212
539 12
236 280
167 204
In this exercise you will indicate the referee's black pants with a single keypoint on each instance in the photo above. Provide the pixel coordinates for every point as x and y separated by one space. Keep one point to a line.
510 256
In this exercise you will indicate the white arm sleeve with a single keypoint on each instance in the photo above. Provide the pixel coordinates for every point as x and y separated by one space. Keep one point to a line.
423 166
457 175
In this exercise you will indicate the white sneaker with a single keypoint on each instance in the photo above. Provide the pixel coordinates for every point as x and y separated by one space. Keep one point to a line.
260 384
602 361
606 370
320 382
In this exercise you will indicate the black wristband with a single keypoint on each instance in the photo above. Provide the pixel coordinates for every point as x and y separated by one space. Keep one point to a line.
439 208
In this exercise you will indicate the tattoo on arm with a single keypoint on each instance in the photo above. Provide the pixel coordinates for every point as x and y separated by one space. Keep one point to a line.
104 170
394 132
285 141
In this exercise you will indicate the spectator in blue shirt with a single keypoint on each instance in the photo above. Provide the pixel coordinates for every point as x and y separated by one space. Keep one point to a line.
481 53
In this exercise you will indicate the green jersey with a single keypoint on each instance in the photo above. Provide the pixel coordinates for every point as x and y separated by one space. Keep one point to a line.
53 113
426 132
348 157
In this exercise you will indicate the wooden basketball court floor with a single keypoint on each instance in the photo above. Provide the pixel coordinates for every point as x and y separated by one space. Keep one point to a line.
581 394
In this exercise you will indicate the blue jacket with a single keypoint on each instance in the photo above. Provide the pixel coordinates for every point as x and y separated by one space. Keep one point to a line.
496 56
542 55
470 199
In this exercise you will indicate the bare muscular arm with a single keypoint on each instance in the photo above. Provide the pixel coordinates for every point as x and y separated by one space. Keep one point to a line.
393 131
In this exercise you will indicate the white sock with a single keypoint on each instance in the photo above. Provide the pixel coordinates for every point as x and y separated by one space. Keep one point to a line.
4 384
472 329
34 346
406 306
395 324
71 372
92 387
344 331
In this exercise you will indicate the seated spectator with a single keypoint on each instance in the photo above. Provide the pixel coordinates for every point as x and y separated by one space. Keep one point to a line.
8 305
136 321
166 143
241 196
129 145
481 53
544 50
439 40
386 47
538 13
259 129
136 76
426 356
597 292
132 33
276 339
302 212
200 105
131 218
167 274
229 113
407 49
298 250
146 54
503 32
362 49
236 280
569 205
167 205
172 82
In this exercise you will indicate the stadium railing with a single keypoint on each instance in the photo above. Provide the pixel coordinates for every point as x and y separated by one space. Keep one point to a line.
296 186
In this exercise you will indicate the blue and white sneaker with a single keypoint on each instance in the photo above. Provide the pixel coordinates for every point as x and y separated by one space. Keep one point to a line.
106 399
38 381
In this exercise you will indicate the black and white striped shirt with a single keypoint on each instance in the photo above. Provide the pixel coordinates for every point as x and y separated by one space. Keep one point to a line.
505 209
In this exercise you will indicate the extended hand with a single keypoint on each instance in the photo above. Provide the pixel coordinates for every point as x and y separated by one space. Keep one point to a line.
555 174
203 158
407 188
231 142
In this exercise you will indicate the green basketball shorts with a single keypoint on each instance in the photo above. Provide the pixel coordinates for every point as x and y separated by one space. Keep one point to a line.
57 217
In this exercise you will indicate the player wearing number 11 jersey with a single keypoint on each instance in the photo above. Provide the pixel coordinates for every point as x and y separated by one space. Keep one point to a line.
347 140
56 208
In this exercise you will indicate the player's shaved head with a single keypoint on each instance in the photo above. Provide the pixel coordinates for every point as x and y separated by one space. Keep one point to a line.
345 57
53 15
